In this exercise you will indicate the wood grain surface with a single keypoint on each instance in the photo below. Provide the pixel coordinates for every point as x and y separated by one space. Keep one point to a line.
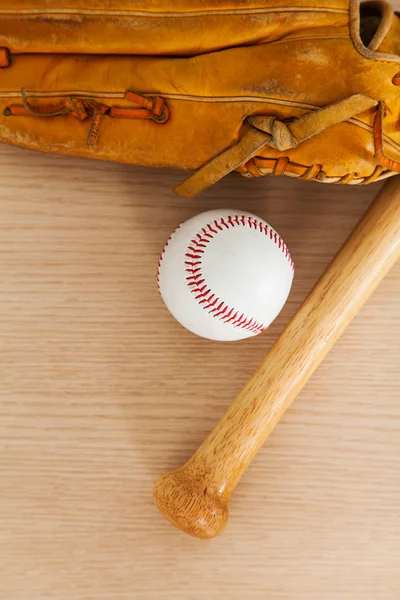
101 391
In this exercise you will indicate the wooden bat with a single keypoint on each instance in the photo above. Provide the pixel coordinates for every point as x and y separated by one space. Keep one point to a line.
195 497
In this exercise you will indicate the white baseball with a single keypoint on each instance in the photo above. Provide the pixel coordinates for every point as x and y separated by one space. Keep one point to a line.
225 274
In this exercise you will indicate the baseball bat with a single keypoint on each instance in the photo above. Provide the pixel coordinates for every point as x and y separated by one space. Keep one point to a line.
195 497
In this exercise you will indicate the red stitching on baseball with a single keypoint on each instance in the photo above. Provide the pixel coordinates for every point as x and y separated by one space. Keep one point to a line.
196 281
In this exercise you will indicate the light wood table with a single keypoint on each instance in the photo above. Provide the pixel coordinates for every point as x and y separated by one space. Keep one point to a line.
102 391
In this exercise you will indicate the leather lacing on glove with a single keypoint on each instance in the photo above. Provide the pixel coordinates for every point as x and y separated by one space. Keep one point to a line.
152 107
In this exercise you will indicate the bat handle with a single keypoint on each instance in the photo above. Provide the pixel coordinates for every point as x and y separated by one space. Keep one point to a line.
195 497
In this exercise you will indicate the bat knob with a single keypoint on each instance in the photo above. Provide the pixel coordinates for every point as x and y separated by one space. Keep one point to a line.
189 505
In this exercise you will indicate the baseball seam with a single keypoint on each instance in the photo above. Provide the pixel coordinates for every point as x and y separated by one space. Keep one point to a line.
196 280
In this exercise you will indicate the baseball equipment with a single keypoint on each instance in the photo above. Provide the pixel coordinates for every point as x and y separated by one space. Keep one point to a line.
225 275
195 498
308 90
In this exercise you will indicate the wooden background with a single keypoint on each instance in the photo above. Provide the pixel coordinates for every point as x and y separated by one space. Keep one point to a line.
102 391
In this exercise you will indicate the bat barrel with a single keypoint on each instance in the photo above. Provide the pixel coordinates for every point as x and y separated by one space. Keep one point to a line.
195 498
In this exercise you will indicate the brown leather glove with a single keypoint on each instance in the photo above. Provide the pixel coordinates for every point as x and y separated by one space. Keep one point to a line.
306 88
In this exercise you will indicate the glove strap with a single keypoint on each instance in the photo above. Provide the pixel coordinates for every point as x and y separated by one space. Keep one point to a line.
229 160
269 131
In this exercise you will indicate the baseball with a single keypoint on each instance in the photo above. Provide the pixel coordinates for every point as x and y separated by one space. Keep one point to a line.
225 275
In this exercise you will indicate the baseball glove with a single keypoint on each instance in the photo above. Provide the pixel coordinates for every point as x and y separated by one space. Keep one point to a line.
306 88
